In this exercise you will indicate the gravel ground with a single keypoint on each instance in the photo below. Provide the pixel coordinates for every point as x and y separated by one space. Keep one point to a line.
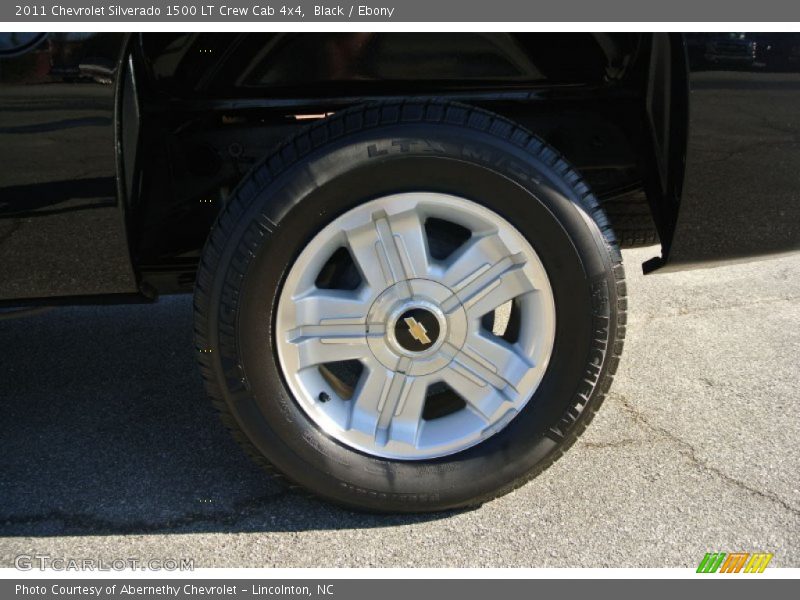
110 449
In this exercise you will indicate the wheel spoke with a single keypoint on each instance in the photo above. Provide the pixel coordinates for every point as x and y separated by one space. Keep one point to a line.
400 408
407 417
330 306
499 357
329 344
479 386
408 228
473 258
369 394
489 288
332 328
390 249
388 405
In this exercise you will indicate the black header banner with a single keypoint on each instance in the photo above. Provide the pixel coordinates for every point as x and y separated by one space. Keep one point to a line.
471 11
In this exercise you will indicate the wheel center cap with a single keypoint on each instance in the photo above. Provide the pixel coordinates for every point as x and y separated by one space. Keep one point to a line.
416 330
411 330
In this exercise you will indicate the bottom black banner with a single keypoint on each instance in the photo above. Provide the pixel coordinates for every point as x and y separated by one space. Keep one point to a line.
393 589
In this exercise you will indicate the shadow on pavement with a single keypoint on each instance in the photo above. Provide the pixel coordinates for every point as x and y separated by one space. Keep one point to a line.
105 429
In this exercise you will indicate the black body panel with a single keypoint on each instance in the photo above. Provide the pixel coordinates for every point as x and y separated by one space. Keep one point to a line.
118 151
62 224
741 192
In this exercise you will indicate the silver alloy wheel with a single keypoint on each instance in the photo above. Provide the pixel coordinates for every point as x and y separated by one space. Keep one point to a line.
368 360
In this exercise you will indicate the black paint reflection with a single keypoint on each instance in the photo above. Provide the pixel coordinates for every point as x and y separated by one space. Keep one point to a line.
61 226
741 196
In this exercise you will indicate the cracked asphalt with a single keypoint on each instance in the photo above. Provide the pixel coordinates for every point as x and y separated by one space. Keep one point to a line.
111 450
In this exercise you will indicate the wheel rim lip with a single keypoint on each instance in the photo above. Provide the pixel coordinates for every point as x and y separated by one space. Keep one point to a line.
328 240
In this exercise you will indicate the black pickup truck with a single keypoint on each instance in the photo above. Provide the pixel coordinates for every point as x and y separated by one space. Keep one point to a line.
404 249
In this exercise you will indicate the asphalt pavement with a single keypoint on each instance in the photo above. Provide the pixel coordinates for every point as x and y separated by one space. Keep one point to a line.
110 449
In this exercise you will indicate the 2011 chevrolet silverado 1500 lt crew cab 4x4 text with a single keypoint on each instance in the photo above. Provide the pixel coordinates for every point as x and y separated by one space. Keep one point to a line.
404 249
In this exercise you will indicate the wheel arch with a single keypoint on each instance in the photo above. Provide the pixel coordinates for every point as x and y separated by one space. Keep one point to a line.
607 101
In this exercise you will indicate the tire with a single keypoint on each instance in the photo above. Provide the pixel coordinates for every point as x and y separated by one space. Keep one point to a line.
390 153
631 219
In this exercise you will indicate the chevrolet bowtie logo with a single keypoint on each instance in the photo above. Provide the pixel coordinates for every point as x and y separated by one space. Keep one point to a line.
417 330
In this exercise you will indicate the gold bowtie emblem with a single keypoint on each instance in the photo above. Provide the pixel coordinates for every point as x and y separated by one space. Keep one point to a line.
417 330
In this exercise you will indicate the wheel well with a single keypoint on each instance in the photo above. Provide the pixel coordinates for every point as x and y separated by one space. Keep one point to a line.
203 124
